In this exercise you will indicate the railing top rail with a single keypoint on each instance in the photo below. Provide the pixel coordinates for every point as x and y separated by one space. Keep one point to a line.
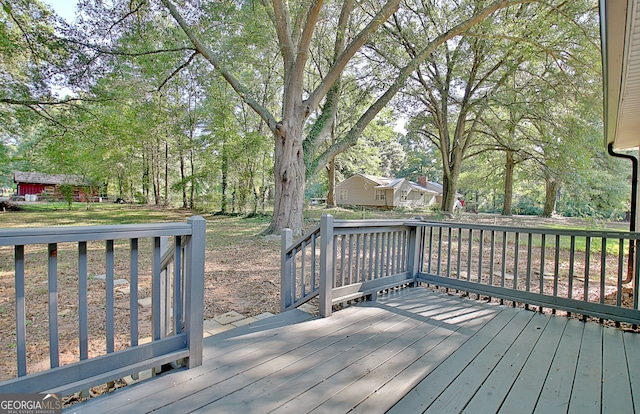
61 234
306 236
613 234
345 224
374 223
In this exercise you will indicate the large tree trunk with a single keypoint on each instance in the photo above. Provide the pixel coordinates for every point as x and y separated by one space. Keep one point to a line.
223 185
451 161
551 192
183 180
508 184
166 174
145 178
263 184
449 186
192 189
289 174
331 193
331 169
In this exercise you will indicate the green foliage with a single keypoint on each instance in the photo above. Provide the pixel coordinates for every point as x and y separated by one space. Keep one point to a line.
378 152
315 190
67 193
528 206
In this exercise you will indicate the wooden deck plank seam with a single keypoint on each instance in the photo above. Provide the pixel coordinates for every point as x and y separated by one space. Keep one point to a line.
399 368
356 375
566 355
214 362
633 365
414 400
525 385
327 346
491 394
456 397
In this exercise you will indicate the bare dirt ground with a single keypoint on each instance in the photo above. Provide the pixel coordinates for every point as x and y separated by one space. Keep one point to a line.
241 274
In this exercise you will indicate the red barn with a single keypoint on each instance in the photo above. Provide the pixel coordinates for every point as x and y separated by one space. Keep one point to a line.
48 184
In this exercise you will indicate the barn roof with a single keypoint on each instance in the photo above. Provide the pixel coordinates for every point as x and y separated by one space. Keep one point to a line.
33 177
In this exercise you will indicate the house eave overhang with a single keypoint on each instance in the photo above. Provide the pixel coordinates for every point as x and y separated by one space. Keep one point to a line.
620 37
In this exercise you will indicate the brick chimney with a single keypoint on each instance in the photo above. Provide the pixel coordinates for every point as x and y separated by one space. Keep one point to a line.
422 180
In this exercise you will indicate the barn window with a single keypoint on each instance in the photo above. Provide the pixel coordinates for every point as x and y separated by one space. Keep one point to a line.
379 194
344 195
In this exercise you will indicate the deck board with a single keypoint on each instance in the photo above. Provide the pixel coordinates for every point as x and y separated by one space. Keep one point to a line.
616 391
502 377
445 342
524 393
632 347
587 385
556 391
456 396
409 351
423 394
325 354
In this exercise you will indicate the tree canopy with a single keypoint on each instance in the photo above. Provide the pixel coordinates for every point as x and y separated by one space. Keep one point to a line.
238 104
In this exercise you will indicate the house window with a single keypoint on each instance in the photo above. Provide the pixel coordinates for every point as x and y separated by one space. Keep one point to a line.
404 195
379 194
344 195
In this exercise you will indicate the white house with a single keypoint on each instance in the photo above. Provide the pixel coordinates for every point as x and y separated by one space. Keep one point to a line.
387 192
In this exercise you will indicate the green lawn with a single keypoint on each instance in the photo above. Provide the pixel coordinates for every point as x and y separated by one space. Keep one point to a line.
58 214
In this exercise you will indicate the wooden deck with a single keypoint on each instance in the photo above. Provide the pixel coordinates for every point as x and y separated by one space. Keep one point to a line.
411 351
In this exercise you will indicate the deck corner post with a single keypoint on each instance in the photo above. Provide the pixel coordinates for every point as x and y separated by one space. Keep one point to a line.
194 289
415 251
326 265
286 238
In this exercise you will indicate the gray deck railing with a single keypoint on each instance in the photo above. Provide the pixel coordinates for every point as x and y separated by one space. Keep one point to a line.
576 271
177 300
343 260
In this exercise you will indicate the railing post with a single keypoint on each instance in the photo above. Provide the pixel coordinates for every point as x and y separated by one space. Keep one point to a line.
286 238
194 289
415 251
165 294
326 264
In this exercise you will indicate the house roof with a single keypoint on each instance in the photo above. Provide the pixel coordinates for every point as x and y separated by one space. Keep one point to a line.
383 182
392 182
620 37
433 187
52 179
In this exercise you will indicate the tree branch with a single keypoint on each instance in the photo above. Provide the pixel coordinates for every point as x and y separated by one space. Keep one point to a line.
341 62
107 51
178 69
351 137
283 30
208 54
